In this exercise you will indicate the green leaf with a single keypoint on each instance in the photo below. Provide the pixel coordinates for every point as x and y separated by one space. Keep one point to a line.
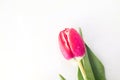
94 63
80 31
61 77
87 67
79 75
97 66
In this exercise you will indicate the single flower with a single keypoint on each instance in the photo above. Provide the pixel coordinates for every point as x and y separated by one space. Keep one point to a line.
71 43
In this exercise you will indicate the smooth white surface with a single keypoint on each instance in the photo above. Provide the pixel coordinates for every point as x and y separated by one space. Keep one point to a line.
29 31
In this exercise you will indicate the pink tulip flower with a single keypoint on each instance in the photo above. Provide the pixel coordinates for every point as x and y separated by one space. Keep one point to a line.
71 44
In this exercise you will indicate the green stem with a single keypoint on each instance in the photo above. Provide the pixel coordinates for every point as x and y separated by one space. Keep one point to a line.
81 69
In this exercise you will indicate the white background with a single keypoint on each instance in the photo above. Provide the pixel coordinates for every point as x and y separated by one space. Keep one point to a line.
29 36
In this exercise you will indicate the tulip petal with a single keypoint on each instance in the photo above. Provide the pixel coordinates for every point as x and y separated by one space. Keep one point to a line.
64 47
76 43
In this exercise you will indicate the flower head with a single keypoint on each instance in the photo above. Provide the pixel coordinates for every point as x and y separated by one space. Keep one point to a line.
71 43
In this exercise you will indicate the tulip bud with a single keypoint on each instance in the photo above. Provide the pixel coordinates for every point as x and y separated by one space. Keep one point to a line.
71 43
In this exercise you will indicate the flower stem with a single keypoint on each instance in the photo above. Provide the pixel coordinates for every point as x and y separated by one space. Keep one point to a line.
81 69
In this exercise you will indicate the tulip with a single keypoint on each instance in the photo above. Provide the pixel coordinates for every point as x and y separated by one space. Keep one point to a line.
71 44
